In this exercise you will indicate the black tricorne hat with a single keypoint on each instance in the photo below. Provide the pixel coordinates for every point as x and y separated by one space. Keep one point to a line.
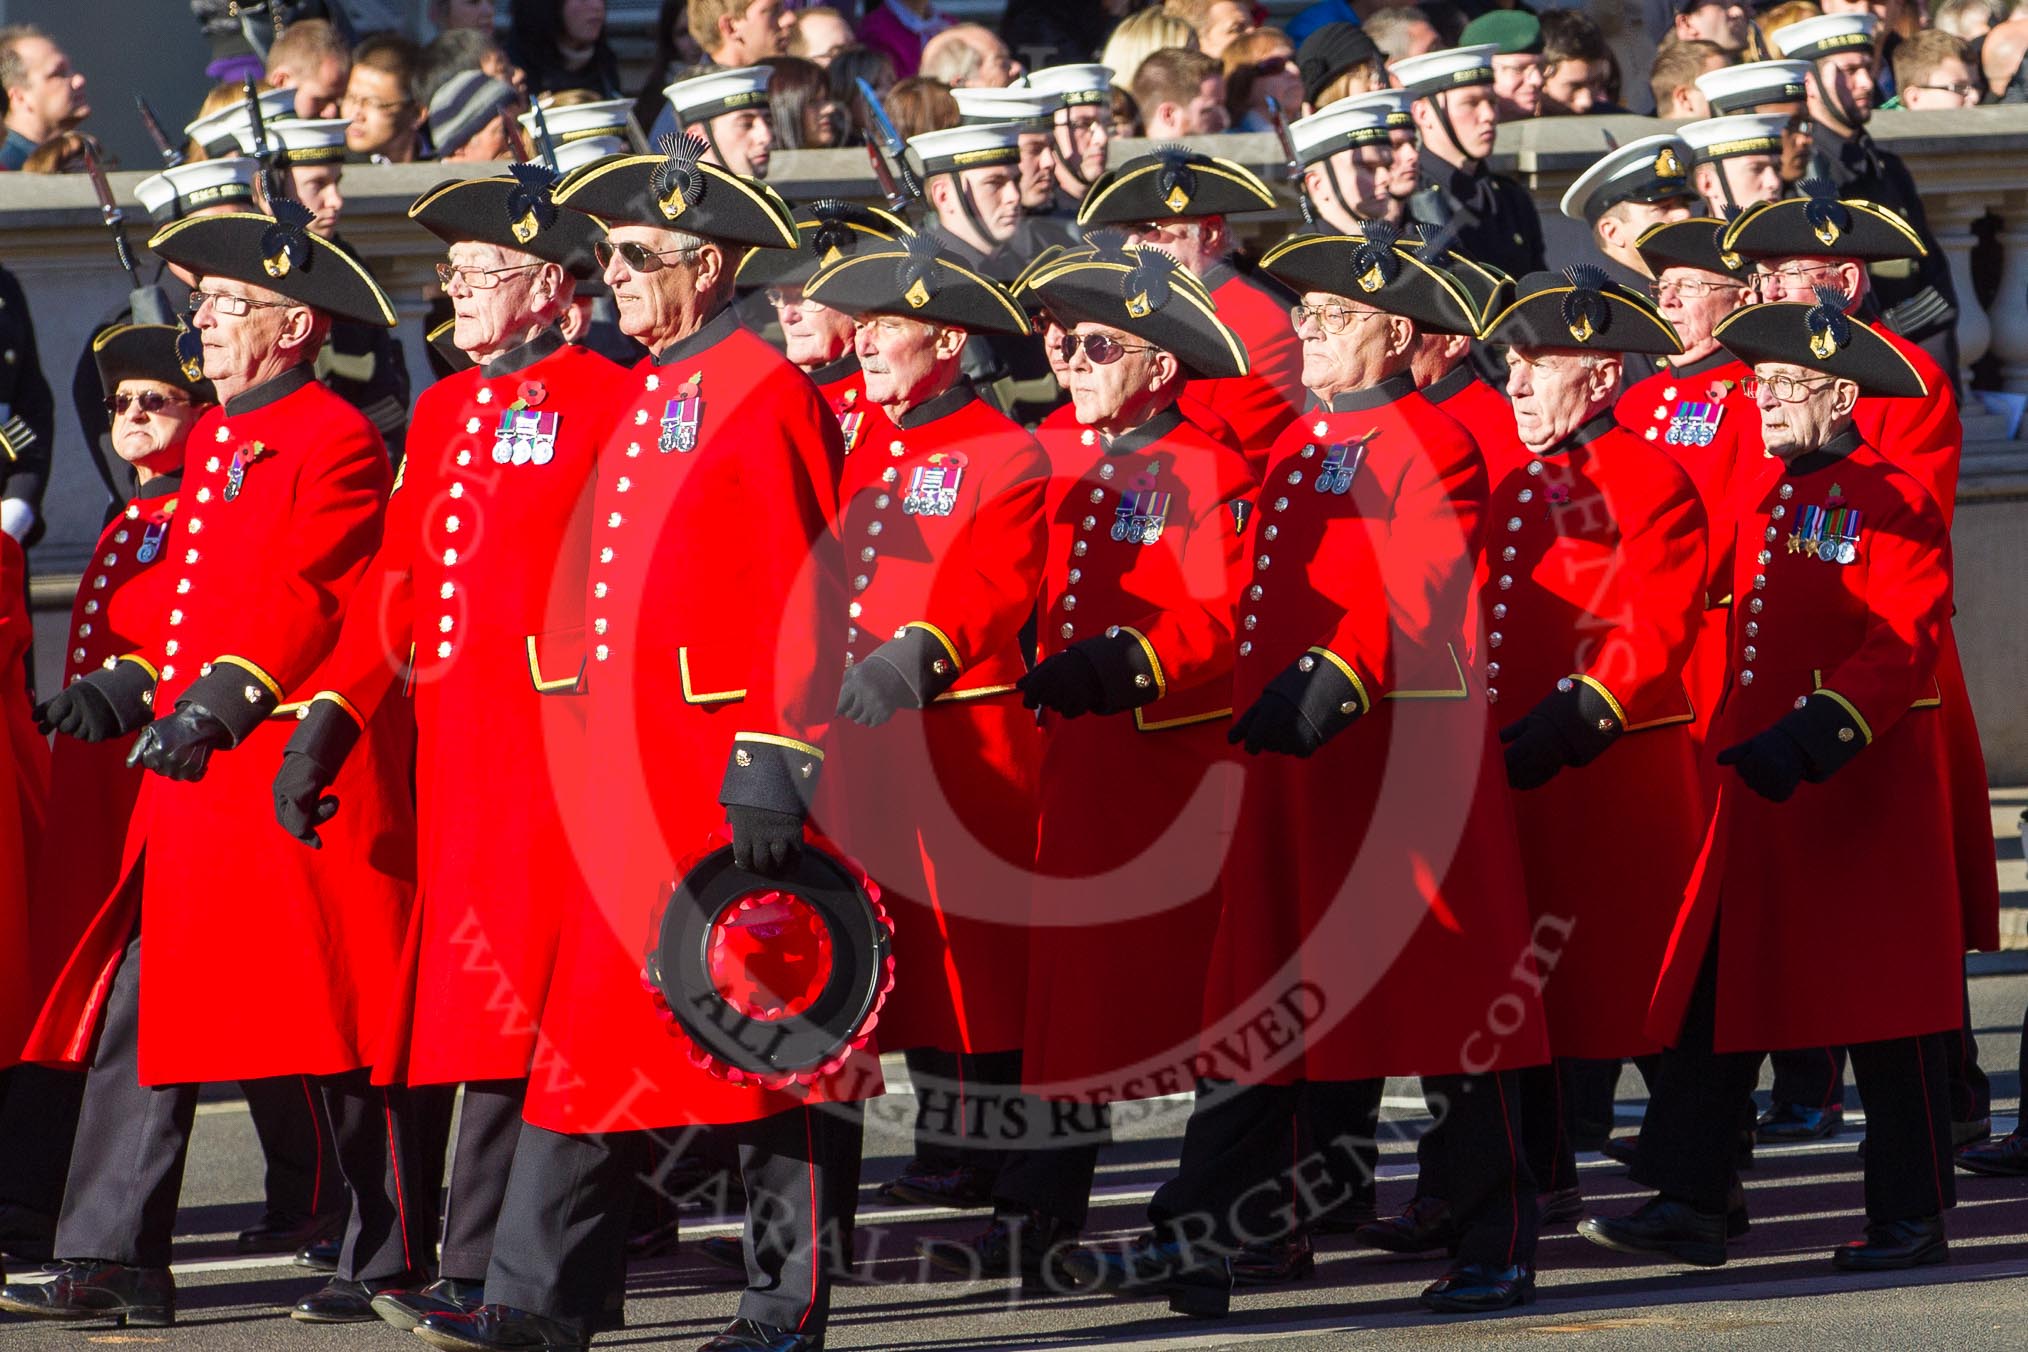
149 352
1580 308
677 190
1692 243
915 277
1821 337
280 253
1821 224
826 231
1144 292
1382 268
513 211
1171 182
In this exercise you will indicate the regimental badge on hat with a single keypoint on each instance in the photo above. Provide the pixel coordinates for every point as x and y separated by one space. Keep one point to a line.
529 208
1376 263
1827 215
774 982
1175 181
1830 330
285 245
1145 288
1585 312
916 273
678 182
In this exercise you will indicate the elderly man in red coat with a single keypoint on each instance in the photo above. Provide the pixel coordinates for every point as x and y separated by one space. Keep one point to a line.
1824 909
1178 200
286 487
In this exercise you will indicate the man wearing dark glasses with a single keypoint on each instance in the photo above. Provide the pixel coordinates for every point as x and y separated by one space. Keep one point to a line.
1178 200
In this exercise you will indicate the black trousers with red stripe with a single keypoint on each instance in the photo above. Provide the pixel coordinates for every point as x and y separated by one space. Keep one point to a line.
560 1247
1241 1178
126 1168
1689 1134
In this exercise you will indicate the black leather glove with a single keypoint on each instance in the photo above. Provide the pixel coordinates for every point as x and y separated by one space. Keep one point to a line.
82 711
1772 763
180 746
763 840
1067 683
1571 726
1311 702
872 691
301 805
1535 753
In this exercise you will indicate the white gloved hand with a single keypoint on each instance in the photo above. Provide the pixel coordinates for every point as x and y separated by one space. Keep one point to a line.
17 517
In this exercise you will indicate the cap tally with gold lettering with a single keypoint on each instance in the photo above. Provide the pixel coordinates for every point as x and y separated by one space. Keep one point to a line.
1751 87
1454 68
1825 35
176 192
703 97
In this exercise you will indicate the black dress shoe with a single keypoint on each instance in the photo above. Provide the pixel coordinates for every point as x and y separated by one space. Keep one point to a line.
1346 1217
1424 1226
283 1232
1195 1281
1559 1206
130 1296
2004 1158
1480 1288
1275 1262
1662 1226
961 1189
750 1335
446 1295
341 1302
1794 1122
1028 1245
319 1255
502 1328
1964 1134
1890 1245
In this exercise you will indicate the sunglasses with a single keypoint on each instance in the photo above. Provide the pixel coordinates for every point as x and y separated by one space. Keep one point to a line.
638 257
1102 348
151 401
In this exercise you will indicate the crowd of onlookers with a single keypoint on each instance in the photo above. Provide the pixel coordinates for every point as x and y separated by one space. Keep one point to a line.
1180 68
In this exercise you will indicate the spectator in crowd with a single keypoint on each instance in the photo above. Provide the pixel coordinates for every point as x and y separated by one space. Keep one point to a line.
1139 36
1400 32
1968 19
969 56
1260 66
1126 114
465 49
919 104
67 152
1674 79
311 58
1725 24
1933 70
1180 93
818 33
1576 64
1337 61
900 28
44 95
850 65
380 100
562 45
449 15
677 53
805 114
2001 62
1518 63
471 119
1060 32
1789 11
1217 23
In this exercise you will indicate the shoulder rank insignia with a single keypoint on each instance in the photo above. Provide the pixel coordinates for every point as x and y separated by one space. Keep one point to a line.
1694 424
933 487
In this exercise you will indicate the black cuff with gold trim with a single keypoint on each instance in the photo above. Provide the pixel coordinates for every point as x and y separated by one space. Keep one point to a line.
1127 679
326 731
1827 732
129 686
775 773
237 693
923 657
1582 719
1323 692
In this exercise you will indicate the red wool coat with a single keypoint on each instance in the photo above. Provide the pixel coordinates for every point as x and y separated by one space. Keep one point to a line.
82 920
939 806
1259 404
1841 917
1385 866
1596 556
712 593
312 938
1135 806
464 576
24 787
1700 416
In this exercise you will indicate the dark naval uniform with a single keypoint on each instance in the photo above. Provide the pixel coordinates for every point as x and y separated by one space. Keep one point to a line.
1494 216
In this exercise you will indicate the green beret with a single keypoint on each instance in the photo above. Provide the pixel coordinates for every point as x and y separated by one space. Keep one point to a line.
1513 31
